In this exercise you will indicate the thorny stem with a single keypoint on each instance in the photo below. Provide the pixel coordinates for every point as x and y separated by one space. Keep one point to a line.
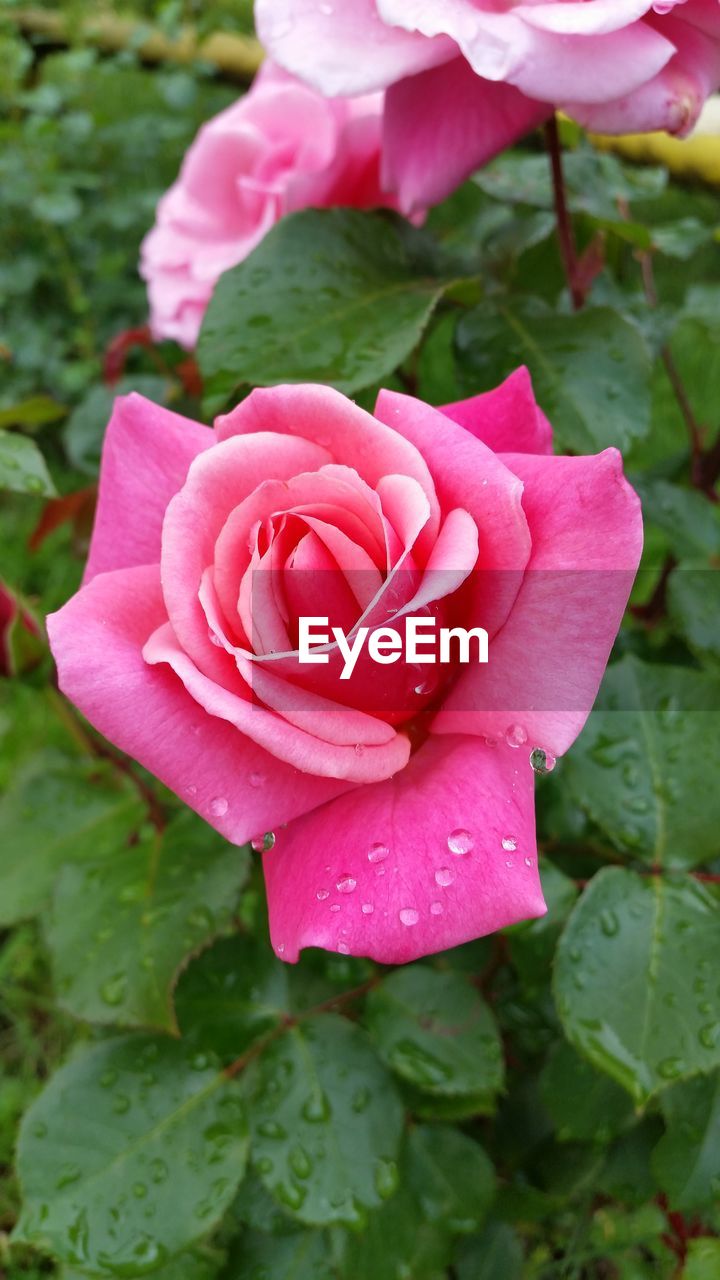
293 1020
566 239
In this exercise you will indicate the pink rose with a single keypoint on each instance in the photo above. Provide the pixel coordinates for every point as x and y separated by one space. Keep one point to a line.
280 148
402 805
466 78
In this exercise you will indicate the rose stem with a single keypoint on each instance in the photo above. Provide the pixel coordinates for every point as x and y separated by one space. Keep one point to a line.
566 239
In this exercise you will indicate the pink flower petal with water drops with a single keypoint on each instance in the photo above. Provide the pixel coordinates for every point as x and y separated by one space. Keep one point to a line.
424 851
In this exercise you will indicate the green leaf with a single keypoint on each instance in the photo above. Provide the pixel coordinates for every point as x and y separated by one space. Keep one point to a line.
58 810
232 995
22 466
634 978
435 1031
691 522
35 411
626 1174
122 928
591 371
532 943
693 597
326 1122
584 1105
450 1176
496 1254
703 1260
686 1161
131 1153
299 1255
332 296
446 1186
644 767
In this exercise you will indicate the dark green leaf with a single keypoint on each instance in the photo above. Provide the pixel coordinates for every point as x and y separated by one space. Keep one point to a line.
22 466
496 1254
299 1255
635 978
132 1152
326 1122
686 1161
644 766
232 995
435 1031
591 372
694 604
584 1104
58 810
330 296
122 928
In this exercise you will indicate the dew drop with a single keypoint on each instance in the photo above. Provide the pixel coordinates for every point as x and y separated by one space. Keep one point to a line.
257 779
529 862
378 852
542 762
509 844
346 884
335 906
367 908
343 948
460 842
515 736
444 876
263 844
409 916
436 908
219 807
322 894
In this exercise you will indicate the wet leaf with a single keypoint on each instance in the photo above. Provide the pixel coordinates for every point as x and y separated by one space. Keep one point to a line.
326 1122
132 1152
636 978
332 296
122 928
435 1031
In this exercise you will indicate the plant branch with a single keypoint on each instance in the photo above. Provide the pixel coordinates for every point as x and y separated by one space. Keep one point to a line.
566 238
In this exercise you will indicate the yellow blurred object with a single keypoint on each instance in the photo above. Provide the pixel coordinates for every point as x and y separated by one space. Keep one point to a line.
695 157
234 55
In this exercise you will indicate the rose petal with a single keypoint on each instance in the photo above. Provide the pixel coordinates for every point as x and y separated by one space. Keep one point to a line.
421 897
546 664
508 419
344 50
305 752
97 640
146 455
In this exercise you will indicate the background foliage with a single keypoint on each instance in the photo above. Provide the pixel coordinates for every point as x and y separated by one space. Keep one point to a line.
540 1105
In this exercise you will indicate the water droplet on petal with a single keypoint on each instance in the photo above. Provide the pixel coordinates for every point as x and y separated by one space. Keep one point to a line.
460 842
257 779
444 876
436 908
322 894
409 916
343 948
509 844
378 852
346 884
515 735
367 908
262 844
219 807
542 761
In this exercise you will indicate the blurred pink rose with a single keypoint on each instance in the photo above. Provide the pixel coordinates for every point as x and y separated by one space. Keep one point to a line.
401 800
466 78
280 148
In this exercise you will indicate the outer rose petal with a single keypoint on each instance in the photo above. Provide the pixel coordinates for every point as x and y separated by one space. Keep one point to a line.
673 99
345 52
421 898
546 664
562 68
508 419
146 456
442 124
97 641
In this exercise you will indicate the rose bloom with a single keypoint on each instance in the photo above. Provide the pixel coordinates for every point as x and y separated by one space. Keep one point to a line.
401 801
280 148
466 78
